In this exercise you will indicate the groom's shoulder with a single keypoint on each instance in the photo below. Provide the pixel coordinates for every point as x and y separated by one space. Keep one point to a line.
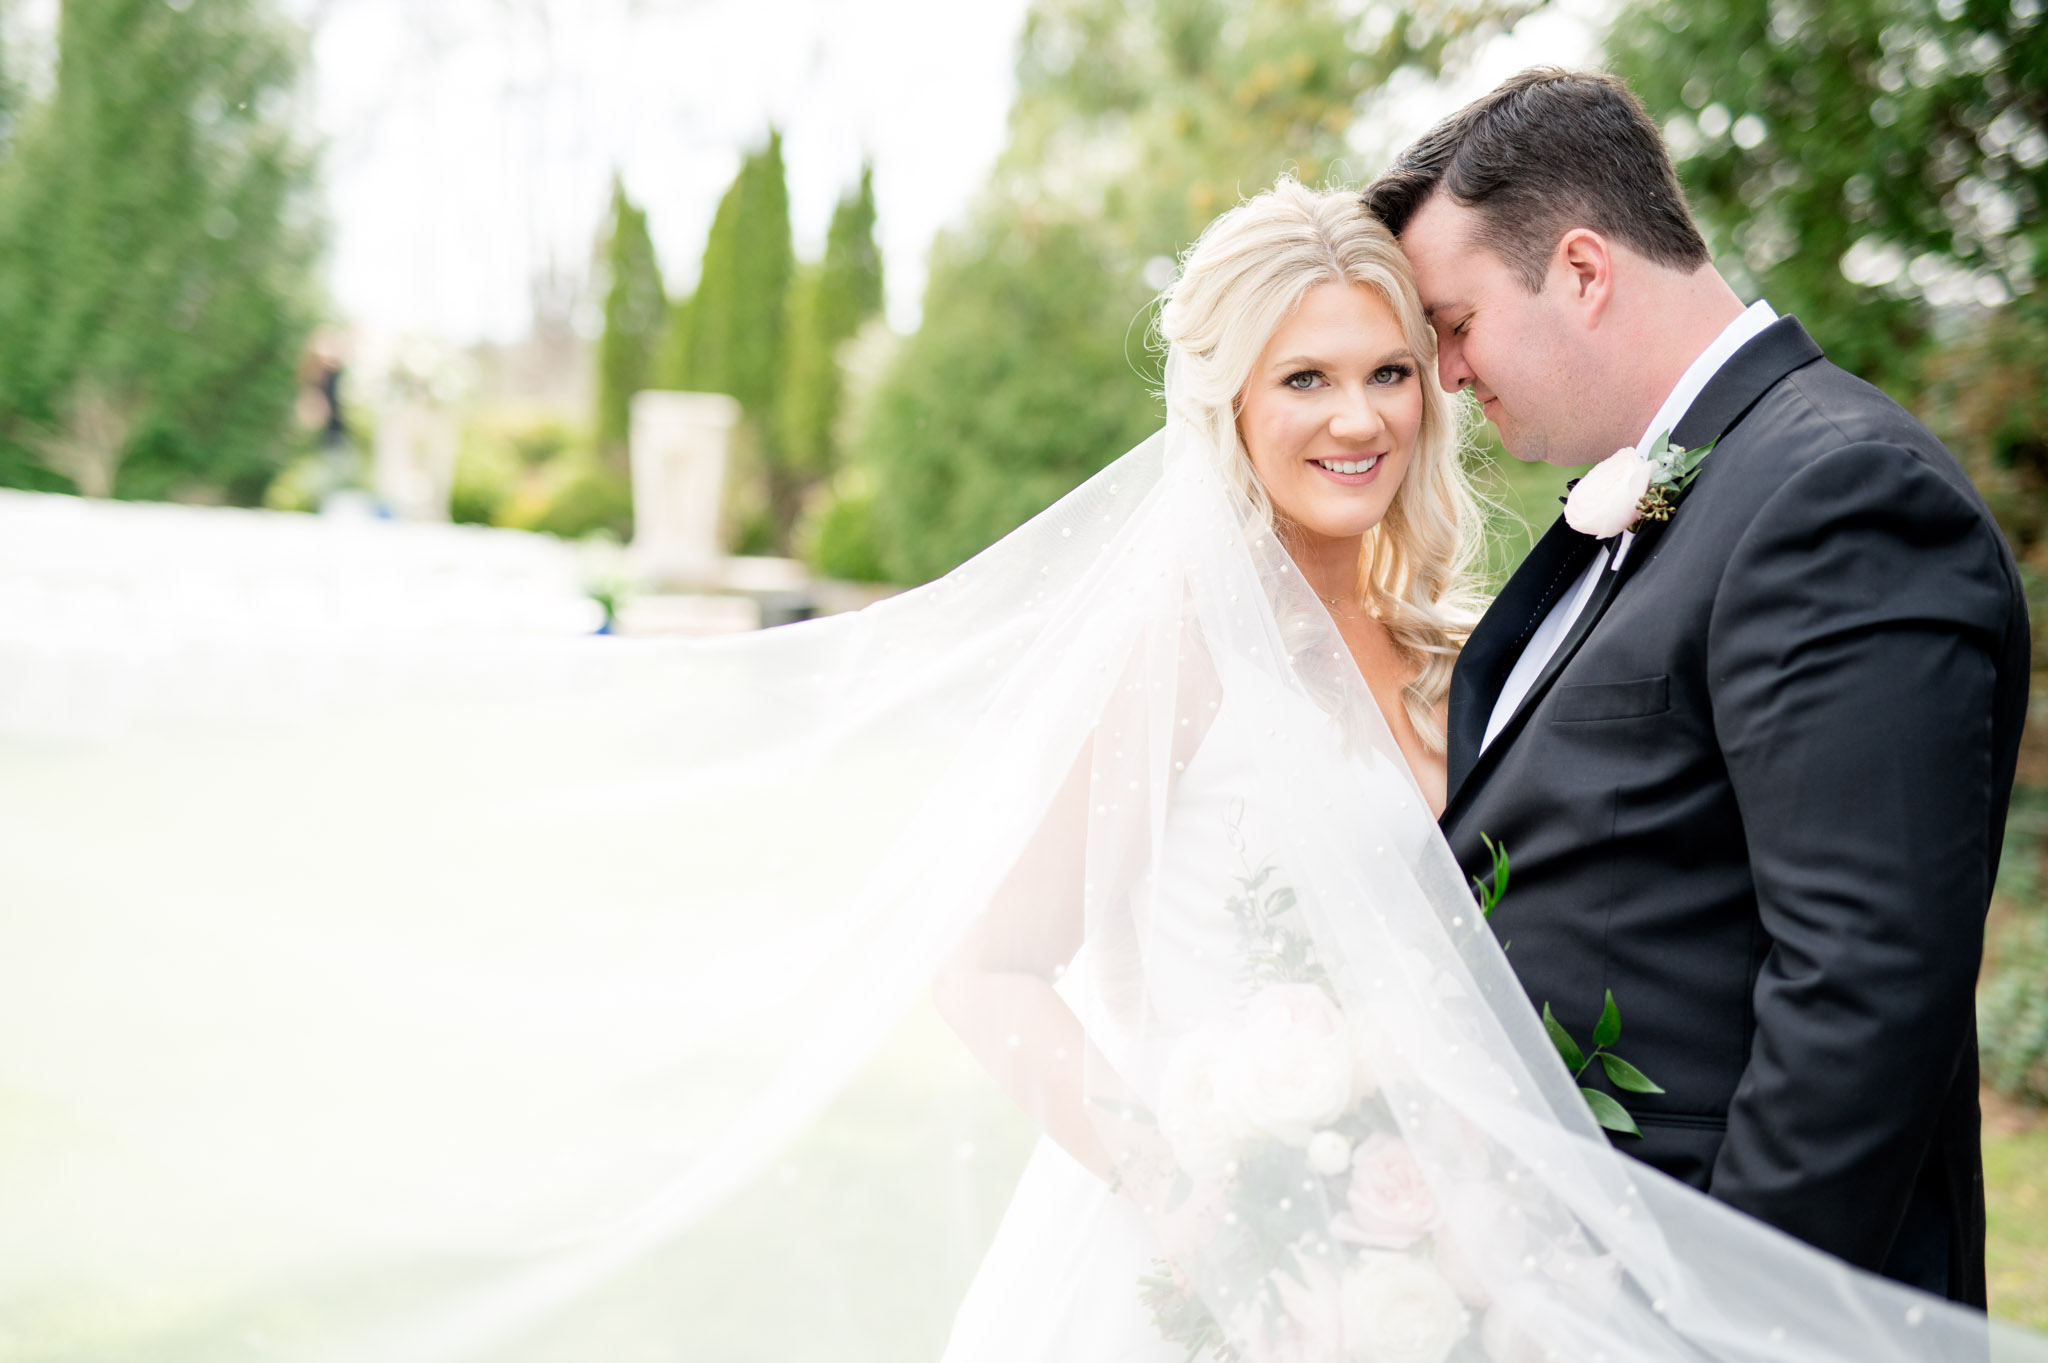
1820 412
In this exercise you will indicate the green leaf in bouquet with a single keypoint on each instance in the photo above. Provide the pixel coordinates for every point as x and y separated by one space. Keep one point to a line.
1136 1113
1280 901
1625 1076
1608 1030
1574 1058
1610 1114
1264 874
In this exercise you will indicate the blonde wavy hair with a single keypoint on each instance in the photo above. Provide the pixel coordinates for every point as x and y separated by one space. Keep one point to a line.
1237 285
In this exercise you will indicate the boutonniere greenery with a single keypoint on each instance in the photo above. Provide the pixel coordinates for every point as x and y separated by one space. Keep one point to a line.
1632 486
1624 1076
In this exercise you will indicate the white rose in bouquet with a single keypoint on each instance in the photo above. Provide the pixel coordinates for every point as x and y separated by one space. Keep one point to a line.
1329 1153
1390 1200
1508 1331
1483 1242
1603 503
1295 1066
1308 1328
1198 1111
1398 1309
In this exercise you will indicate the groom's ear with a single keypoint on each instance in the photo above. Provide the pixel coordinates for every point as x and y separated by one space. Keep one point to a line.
1584 264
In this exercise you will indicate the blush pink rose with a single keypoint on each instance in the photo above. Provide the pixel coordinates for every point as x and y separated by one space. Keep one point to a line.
1391 1203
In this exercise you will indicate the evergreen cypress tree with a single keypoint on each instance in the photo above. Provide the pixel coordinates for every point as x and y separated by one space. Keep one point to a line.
635 317
828 306
731 336
735 325
155 257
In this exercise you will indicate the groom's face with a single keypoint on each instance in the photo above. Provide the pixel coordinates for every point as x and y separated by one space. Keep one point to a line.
1515 350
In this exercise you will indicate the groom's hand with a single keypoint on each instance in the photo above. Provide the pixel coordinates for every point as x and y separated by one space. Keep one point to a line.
1851 657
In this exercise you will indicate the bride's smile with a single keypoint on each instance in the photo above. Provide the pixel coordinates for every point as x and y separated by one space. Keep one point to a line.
1331 412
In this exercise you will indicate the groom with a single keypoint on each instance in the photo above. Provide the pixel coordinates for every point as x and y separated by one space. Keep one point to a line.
1751 764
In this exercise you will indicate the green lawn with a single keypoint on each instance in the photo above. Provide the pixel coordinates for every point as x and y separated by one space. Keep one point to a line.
2016 1207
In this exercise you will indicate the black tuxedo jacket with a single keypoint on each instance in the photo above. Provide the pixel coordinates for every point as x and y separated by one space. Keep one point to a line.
1759 793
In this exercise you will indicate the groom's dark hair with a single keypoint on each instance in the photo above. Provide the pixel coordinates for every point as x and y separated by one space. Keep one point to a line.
1548 151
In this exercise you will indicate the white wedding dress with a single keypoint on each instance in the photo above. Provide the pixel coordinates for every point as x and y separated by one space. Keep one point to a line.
1061 1279
381 995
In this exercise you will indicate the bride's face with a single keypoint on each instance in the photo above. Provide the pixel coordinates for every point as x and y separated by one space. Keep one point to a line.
1332 410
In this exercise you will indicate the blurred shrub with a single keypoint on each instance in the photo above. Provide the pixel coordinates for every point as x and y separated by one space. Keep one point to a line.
2012 1004
1986 395
2012 1012
580 495
529 469
837 534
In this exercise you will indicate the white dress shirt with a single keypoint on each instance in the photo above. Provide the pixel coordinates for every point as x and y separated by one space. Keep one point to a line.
1543 643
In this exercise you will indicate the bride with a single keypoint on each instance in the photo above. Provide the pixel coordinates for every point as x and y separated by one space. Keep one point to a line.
378 996
1300 356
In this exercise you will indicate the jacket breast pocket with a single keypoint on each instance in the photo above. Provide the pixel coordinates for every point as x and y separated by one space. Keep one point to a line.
1589 701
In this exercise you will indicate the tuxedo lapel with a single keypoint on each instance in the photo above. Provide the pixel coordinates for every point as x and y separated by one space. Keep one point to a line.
1552 565
1604 591
1752 371
1560 556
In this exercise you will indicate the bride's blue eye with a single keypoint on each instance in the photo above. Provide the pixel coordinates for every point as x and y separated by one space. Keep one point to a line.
1387 375
1304 380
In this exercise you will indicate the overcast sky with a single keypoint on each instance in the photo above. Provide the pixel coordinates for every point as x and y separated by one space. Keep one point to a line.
470 142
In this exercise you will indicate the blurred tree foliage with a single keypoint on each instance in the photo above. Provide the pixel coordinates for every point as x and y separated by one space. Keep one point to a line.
156 248
827 305
1862 163
635 316
731 336
1879 167
1136 122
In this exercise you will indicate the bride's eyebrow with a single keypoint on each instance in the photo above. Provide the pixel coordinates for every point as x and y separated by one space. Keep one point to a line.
1296 363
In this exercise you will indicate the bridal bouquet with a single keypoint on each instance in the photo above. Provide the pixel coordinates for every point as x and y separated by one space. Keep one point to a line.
1315 1232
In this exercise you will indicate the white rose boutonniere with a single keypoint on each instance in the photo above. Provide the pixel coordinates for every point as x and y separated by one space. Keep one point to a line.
1631 486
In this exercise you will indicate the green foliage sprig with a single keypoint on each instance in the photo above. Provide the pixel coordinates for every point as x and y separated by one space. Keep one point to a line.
1606 1110
1620 1073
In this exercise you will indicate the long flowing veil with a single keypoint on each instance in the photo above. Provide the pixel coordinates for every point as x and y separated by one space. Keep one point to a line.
384 992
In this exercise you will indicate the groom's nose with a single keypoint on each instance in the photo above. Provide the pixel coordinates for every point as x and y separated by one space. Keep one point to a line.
1451 370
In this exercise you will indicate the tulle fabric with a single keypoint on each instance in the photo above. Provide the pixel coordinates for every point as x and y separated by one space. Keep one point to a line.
387 993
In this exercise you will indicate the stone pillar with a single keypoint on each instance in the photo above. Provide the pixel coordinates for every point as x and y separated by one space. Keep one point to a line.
413 467
680 444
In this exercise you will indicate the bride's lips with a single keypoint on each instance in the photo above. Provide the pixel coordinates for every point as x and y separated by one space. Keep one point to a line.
1371 463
